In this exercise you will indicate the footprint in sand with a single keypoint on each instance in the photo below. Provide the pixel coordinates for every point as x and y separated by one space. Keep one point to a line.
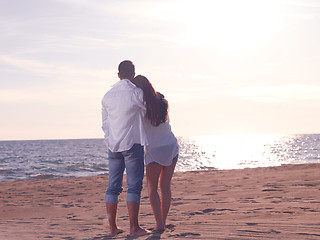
252 224
185 235
171 227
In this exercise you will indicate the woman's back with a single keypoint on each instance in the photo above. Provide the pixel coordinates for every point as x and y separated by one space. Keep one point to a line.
162 144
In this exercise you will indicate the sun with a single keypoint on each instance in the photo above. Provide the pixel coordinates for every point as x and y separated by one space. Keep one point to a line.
230 24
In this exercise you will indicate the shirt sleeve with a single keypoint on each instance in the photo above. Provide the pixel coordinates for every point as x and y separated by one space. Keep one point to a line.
139 99
104 118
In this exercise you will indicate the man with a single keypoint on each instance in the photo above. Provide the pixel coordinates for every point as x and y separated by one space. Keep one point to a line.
122 122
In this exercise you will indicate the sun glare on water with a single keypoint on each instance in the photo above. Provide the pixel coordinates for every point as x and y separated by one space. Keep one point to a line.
238 151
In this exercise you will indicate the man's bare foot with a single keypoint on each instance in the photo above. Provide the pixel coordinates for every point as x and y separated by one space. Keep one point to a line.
114 230
139 232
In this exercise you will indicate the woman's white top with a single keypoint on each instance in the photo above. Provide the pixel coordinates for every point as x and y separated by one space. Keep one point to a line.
162 145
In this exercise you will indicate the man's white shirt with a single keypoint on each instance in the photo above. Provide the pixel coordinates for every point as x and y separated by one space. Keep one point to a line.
123 113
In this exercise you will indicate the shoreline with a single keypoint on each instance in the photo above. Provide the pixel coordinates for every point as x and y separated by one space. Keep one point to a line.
280 202
176 172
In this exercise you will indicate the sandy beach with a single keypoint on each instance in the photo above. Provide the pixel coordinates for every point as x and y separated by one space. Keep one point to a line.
261 203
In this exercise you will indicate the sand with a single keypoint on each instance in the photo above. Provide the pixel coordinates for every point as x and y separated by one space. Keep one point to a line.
262 203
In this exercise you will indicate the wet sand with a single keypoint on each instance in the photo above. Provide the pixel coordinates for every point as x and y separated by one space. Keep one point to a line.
262 203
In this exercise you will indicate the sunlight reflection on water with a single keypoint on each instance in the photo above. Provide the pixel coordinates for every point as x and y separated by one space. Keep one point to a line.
242 151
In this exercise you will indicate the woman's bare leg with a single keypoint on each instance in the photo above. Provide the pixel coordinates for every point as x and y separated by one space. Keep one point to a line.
165 186
153 172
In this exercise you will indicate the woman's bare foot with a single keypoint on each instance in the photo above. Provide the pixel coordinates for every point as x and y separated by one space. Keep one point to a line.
115 232
139 232
160 228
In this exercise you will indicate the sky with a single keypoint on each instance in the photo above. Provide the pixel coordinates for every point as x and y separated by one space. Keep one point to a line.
226 67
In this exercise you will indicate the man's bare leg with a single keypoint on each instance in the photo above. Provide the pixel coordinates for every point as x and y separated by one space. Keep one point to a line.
112 218
135 229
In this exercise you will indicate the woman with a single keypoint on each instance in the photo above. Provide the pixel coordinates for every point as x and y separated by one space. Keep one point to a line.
161 153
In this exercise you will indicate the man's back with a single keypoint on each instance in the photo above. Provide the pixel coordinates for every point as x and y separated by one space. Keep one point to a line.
122 116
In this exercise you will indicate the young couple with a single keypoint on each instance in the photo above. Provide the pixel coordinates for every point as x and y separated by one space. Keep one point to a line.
136 127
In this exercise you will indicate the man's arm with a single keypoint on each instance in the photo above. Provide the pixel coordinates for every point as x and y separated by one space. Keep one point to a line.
139 99
104 118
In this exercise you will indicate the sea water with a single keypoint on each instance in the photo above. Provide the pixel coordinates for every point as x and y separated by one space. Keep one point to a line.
36 159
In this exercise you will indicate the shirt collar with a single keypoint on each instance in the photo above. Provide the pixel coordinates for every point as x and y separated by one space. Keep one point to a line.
124 80
128 81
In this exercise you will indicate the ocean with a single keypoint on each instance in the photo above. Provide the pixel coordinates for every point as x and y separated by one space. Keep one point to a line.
38 159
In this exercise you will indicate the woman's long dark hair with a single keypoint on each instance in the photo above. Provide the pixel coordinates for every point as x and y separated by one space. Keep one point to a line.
156 104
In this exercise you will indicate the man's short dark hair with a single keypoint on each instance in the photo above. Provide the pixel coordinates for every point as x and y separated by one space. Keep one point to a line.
126 70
